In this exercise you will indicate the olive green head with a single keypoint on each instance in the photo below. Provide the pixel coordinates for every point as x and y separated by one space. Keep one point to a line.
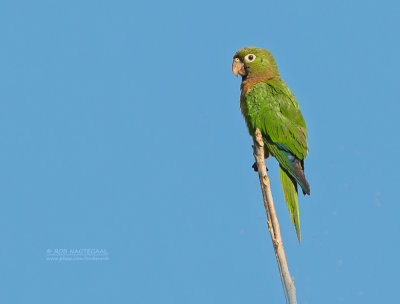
253 61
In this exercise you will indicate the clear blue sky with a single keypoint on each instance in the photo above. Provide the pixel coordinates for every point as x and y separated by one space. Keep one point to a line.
120 130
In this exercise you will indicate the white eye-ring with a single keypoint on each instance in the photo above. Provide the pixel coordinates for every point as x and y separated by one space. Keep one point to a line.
250 57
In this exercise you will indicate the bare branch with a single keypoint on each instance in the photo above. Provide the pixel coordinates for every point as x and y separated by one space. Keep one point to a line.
273 224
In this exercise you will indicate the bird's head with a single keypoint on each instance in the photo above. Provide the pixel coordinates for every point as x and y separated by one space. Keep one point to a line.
254 62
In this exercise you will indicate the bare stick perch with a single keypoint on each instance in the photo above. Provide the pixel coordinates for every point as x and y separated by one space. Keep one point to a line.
273 224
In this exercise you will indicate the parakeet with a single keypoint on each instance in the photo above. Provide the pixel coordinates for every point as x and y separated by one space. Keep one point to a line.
268 104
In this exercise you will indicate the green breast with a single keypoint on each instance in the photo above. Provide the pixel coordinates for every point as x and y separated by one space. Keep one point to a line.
271 107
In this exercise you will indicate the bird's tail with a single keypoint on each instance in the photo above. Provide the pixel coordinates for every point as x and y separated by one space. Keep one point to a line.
289 187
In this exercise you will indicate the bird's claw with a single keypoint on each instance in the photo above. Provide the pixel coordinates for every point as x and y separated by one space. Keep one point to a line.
255 167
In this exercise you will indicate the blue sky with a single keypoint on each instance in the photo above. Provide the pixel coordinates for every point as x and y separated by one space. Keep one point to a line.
121 130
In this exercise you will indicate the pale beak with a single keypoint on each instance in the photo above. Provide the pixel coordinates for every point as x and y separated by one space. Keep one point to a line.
237 67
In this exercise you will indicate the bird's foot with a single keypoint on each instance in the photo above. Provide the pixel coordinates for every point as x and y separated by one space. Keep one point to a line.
255 167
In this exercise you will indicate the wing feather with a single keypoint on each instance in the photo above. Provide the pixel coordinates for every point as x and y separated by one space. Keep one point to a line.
273 109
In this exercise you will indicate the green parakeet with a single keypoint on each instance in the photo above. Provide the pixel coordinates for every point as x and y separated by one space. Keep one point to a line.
268 104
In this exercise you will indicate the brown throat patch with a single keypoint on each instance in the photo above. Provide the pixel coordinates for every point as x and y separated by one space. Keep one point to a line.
250 82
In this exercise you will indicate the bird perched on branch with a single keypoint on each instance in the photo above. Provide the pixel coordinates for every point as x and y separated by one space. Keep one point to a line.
268 104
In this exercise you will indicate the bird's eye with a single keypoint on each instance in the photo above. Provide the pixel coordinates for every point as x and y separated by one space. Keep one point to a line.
250 57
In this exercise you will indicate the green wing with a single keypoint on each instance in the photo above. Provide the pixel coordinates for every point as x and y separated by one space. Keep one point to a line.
272 108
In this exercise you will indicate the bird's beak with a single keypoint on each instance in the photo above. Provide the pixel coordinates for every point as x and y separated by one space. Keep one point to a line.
238 67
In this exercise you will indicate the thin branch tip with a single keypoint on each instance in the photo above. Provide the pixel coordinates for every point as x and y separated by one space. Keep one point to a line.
273 224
